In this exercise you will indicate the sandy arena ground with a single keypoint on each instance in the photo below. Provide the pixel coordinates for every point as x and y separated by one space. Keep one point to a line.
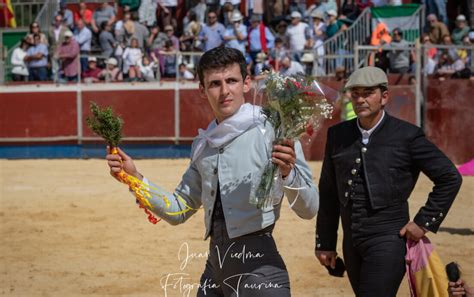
69 229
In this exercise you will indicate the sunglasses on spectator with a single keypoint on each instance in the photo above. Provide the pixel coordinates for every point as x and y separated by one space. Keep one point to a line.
212 17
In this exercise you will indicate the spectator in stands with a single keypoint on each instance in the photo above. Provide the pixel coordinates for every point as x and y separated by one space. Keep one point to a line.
168 11
132 4
281 31
350 10
262 64
190 35
168 60
57 32
83 13
35 29
430 58
92 72
289 67
147 12
118 27
380 37
461 30
235 3
235 35
437 29
212 34
83 36
37 60
307 61
184 73
297 6
156 40
66 13
105 13
323 6
447 66
169 31
141 31
437 7
131 59
19 70
125 28
278 53
298 35
318 33
148 68
213 5
226 14
111 73
68 55
107 40
399 58
200 10
333 25
261 38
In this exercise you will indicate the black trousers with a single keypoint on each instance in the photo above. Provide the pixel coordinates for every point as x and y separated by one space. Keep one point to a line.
247 266
375 267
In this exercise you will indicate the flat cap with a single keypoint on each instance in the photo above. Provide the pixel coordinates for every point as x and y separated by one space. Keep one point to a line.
367 77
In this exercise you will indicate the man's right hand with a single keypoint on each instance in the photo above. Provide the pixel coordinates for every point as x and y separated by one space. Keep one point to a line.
327 258
121 162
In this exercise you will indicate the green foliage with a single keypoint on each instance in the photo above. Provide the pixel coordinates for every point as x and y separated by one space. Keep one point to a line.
105 124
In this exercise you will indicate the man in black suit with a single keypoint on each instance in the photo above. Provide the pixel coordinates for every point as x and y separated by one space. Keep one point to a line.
370 168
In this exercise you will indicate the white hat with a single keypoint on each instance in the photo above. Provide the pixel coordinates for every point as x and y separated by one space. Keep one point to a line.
317 14
307 58
461 18
236 16
471 35
295 14
332 12
112 61
92 59
68 34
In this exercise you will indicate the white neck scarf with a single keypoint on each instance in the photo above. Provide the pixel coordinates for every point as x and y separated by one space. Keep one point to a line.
216 135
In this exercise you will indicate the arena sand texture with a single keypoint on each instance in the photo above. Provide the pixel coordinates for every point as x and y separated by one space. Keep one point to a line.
69 229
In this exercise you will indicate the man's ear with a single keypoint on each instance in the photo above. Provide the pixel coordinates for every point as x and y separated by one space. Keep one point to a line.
384 98
247 84
202 91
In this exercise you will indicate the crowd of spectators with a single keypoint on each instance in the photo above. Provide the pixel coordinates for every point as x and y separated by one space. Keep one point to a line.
142 42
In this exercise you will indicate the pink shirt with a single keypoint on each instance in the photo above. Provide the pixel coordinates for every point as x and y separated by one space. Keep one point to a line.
69 56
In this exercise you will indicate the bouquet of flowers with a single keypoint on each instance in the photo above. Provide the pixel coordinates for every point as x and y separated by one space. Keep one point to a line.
295 106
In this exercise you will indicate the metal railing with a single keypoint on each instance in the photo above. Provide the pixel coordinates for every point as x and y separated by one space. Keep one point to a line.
343 42
27 11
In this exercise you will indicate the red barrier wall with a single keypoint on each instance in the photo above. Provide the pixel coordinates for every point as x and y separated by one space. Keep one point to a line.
150 113
450 118
145 113
38 114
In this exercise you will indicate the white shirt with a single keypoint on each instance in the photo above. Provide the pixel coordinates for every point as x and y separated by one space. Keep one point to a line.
295 68
297 36
18 62
131 57
366 133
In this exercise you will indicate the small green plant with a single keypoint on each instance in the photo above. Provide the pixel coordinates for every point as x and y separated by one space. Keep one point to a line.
105 124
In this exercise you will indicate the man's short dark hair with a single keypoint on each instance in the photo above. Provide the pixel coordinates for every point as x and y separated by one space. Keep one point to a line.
221 57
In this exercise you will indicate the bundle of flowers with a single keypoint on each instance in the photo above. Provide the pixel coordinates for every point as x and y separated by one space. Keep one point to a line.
295 106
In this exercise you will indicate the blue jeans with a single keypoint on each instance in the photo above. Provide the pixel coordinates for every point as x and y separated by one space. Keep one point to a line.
38 74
